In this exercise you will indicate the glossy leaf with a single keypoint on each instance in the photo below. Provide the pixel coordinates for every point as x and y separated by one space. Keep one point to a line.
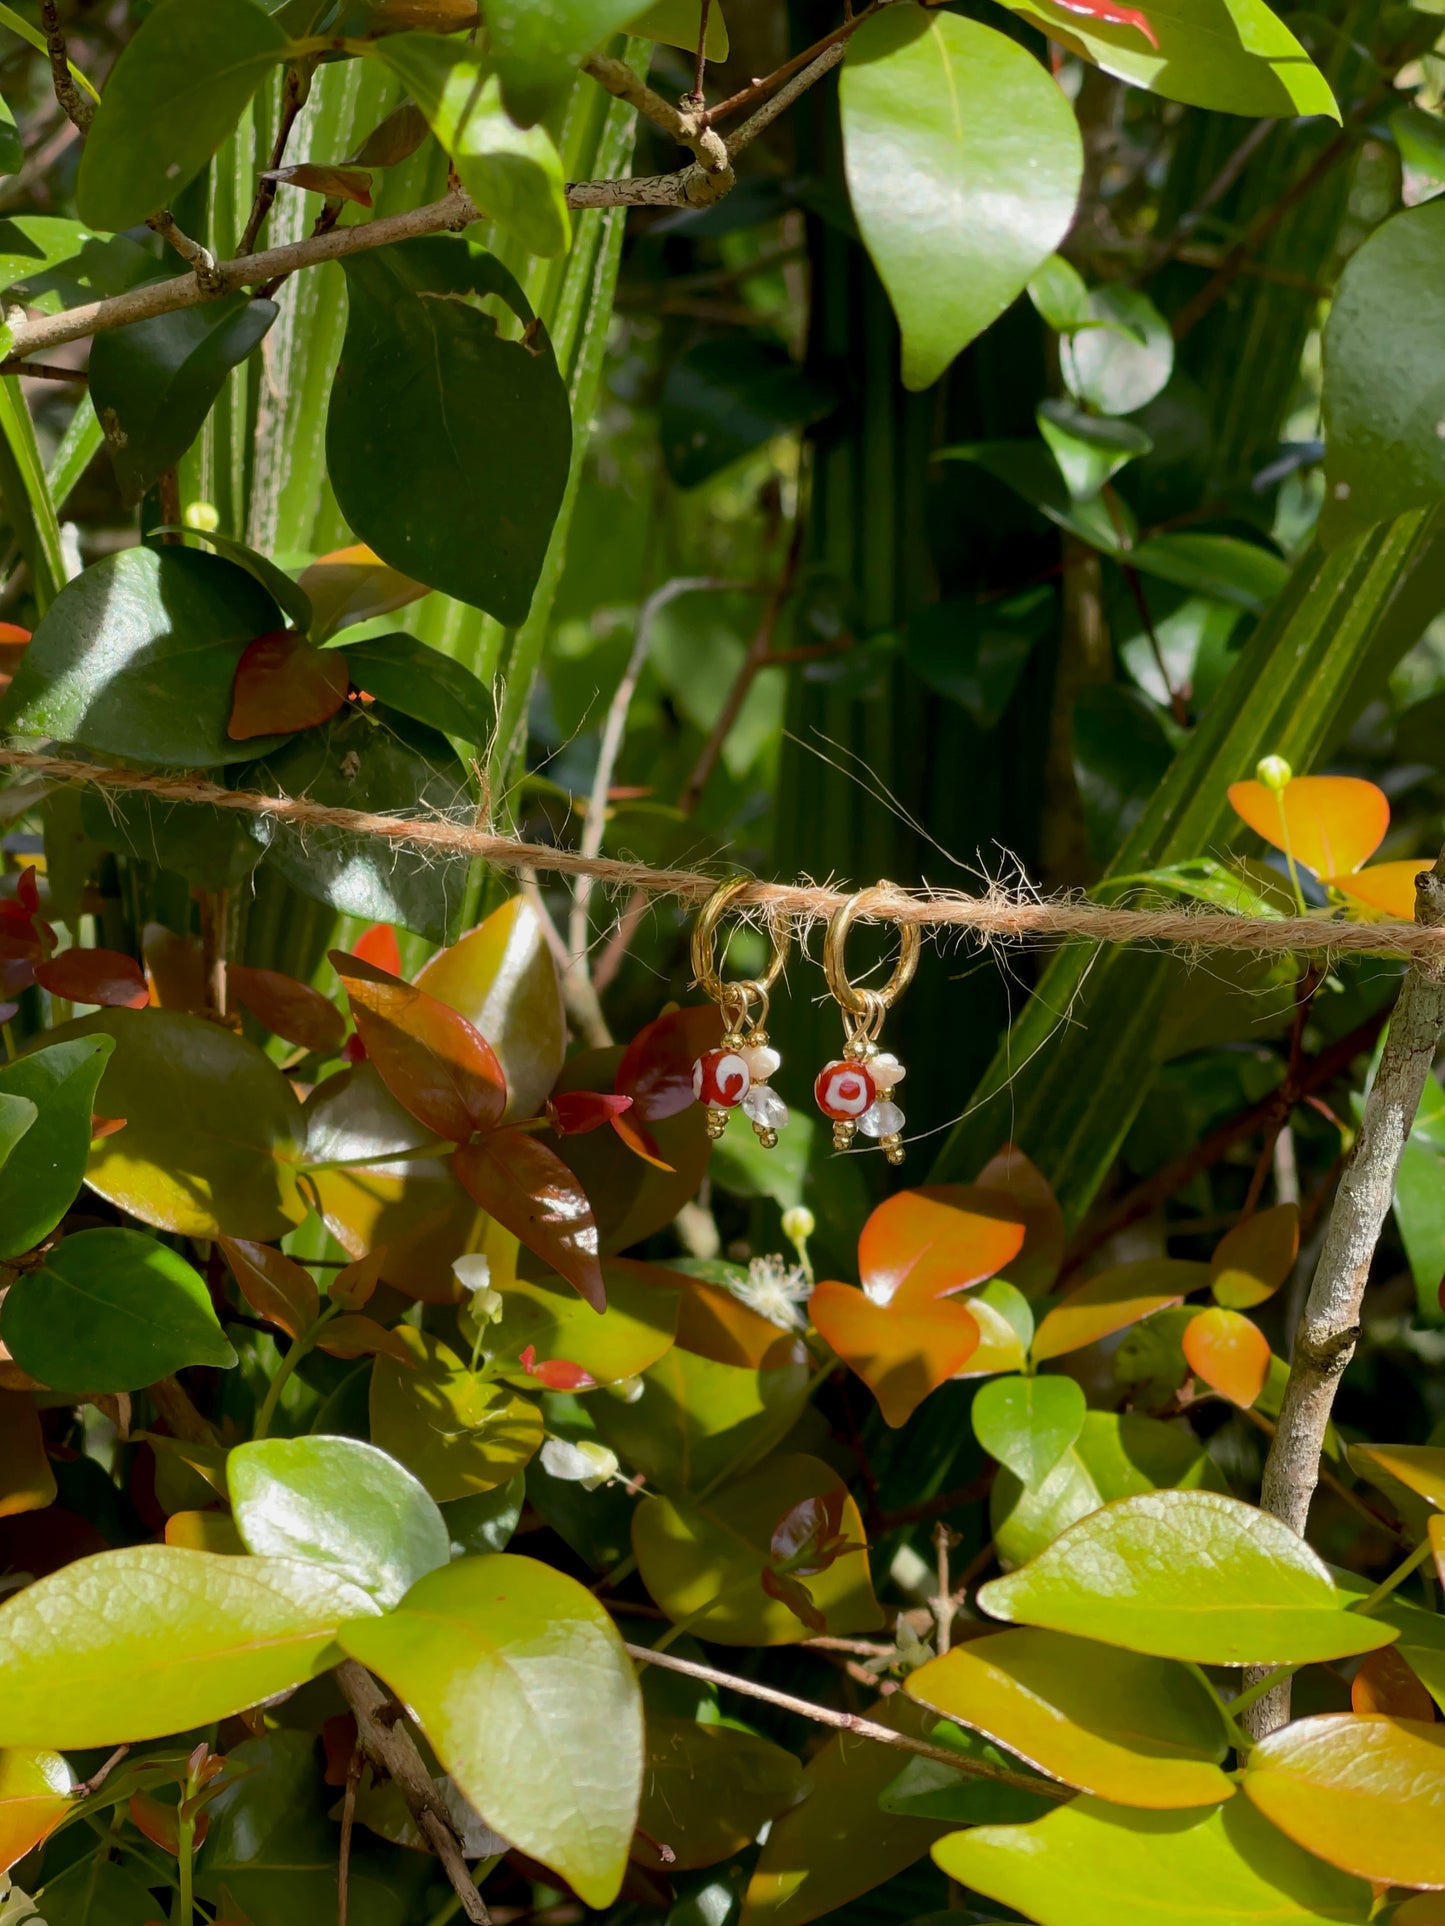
922 1244
353 585
501 978
537 49
1123 360
430 1058
137 655
1006 1329
1235 56
430 406
1229 1352
1365 1794
1252 1261
524 1185
283 684
1191 1575
549 1316
153 383
27 1482
111 1310
1421 1468
423 683
707 1791
1328 823
453 1431
1225 1866
275 1286
338 1503
964 163
288 1008
903 1350
1387 1684
35 1795
95 976
702 1559
1113 1300
174 95
287 594
351 1336
212 1129
1029 1423
1140 1731
201 1637
42 1175
513 173
529 1700
1386 888
1090 449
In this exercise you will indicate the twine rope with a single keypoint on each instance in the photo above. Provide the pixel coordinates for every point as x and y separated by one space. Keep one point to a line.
997 915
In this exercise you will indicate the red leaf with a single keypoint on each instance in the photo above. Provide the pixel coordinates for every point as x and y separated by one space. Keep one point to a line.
812 1526
656 1067
641 1142
159 1822
26 901
796 1596
1115 15
350 1336
532 1193
274 1285
95 976
379 947
429 1057
1386 1687
289 1008
102 1126
572 1113
923 1244
353 1286
283 683
558 1374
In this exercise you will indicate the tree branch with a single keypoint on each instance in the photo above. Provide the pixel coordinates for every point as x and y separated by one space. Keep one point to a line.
391 1750
78 107
1330 1327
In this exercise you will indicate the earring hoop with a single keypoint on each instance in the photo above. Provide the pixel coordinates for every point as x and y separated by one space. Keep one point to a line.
735 1075
855 1091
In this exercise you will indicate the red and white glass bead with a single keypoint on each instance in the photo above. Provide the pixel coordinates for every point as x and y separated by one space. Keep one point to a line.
721 1079
844 1090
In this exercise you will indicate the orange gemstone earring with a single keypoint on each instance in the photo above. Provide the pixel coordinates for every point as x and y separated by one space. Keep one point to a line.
735 1075
856 1090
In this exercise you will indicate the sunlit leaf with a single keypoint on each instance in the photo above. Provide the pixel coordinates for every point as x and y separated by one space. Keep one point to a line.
707 1791
1191 1575
527 1187
275 1286
1006 1329
922 1244
902 1350
1113 1300
451 1430
1387 1684
206 1531
431 1059
95 976
352 585
35 1795
27 1482
288 1008
1029 1423
1140 1731
1328 823
1229 1352
1387 888
635 1332
1252 1261
1420 1468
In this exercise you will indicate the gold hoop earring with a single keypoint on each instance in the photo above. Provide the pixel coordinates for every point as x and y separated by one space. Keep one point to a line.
855 1091
735 1075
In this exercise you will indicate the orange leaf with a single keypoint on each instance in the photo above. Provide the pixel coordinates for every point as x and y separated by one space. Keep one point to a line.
95 976
1116 15
1113 1300
351 585
353 1286
922 1244
283 683
532 1193
289 1008
351 1336
1385 1685
430 1058
1229 1352
1386 887
640 1140
35 1796
336 183
1328 823
1252 1261
274 1285
379 947
160 1822
712 1323
901 1351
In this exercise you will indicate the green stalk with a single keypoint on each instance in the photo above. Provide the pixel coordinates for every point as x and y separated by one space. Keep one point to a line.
1396 1578
299 1349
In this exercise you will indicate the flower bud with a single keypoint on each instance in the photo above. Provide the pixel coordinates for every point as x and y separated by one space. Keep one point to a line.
799 1223
629 1390
204 516
585 1463
1274 772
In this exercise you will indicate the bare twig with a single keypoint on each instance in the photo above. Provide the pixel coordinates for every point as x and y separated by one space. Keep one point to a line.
291 102
78 106
700 74
98 1778
1328 1332
390 1748
200 258
850 1722
942 1603
348 1821
44 371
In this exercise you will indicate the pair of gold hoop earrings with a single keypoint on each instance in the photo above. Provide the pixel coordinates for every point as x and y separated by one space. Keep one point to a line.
854 1091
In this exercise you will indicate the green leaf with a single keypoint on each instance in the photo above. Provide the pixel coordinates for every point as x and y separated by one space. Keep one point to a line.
1141 1731
1233 55
26 495
1125 359
723 398
289 596
1245 573
452 1430
96 1891
339 1503
1190 1575
1090 449
1059 294
12 149
111 1310
213 1129
537 49
974 652
634 1332
1029 1423
1029 468
154 1639
700 1419
424 684
677 23
928 1789
371 759
485 1521
1384 389
42 1175
513 174
964 163
51 264
18 24
1420 137
137 656
528 1698
177 90
707 1790
432 406
153 384
17 1114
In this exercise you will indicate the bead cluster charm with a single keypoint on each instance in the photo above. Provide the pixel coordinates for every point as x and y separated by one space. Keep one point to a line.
855 1091
736 1075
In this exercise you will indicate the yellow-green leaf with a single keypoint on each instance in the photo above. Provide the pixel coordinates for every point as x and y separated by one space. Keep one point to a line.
707 1791
633 1332
1115 1299
35 1795
452 1430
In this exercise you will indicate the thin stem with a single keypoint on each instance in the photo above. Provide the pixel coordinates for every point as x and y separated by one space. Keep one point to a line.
348 1820
185 1858
266 192
76 106
299 1349
701 73
1226 1708
1395 1579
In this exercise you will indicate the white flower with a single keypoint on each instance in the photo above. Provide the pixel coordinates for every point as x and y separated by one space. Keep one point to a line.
775 1290
585 1463
16 1906
474 1274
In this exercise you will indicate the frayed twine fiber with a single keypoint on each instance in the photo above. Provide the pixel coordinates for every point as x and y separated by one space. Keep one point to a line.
998 915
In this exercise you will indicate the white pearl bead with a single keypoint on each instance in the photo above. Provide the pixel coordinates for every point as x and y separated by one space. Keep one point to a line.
887 1070
882 1119
762 1060
765 1107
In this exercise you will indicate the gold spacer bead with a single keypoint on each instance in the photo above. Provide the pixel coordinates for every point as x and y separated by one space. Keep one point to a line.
892 1148
766 1137
844 1131
717 1123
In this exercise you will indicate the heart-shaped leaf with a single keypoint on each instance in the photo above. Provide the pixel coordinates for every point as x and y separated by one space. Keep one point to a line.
923 1244
1328 823
1029 1423
902 1351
